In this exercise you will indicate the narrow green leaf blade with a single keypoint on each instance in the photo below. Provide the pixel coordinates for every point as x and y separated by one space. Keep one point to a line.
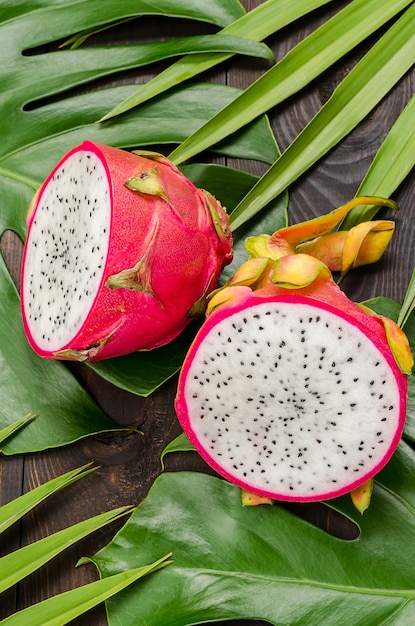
22 562
15 509
256 25
370 80
392 163
306 61
65 607
408 304
9 430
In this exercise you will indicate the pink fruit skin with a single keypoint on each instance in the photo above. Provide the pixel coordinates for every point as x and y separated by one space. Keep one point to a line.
327 297
183 261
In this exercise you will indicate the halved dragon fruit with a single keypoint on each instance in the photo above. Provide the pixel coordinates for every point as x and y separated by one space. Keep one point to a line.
294 393
120 247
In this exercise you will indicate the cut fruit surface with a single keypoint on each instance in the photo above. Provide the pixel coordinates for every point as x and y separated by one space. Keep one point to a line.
120 248
292 398
68 246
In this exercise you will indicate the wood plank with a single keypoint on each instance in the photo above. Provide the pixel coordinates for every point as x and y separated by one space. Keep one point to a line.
129 461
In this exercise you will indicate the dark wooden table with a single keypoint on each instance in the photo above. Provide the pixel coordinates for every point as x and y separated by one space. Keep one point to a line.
129 462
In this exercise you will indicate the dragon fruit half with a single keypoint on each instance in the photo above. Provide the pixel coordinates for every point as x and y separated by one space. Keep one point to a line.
290 390
120 248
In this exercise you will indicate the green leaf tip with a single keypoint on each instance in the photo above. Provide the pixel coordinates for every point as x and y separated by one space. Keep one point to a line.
9 430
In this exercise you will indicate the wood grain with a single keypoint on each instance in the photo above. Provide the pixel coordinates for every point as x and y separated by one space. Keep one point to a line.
129 461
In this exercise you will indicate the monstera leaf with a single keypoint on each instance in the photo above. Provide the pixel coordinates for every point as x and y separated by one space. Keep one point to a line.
264 562
39 121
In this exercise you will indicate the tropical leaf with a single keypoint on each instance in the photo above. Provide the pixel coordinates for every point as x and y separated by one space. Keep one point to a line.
179 444
15 509
362 89
392 163
234 562
306 61
141 373
71 17
408 304
45 122
18 564
143 54
9 430
29 384
262 21
64 607
47 132
39 122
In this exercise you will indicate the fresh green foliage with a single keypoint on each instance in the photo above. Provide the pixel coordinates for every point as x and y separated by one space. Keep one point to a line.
14 510
179 444
36 132
392 163
18 564
408 304
65 607
264 20
90 15
362 89
22 562
65 410
308 59
12 428
203 44
234 562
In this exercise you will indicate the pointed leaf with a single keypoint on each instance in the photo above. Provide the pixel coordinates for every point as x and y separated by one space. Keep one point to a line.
408 304
307 60
256 25
136 55
98 12
366 84
179 444
235 562
15 509
20 563
9 430
392 163
64 607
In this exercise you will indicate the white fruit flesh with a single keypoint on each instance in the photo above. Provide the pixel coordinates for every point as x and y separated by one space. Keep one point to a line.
66 250
290 400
